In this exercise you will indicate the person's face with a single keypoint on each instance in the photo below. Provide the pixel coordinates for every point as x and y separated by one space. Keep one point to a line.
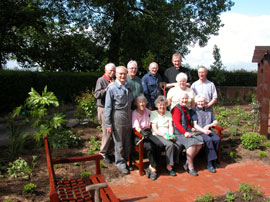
201 103
202 74
141 104
153 68
110 72
121 75
176 60
182 83
132 70
161 107
183 100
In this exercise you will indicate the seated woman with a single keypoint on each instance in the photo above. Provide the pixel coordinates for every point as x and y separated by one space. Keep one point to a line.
151 144
203 120
174 93
182 127
162 128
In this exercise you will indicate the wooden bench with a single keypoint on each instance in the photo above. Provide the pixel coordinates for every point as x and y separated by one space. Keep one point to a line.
139 149
89 189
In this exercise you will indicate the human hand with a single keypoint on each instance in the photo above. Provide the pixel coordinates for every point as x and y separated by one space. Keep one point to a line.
187 134
109 130
207 132
193 129
162 85
206 127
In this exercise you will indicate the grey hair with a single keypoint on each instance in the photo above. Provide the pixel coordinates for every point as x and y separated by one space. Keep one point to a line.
161 98
199 96
180 76
202 67
107 66
141 97
132 62
120 67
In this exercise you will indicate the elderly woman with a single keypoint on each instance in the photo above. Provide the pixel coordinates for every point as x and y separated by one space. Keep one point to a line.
174 93
182 127
162 128
151 144
203 120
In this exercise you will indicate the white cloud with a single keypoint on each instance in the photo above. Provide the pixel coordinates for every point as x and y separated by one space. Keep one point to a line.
236 41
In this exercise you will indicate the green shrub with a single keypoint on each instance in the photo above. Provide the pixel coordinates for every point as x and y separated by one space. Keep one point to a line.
85 174
230 197
205 198
233 155
102 164
233 130
251 140
245 188
262 154
20 168
87 107
267 144
29 188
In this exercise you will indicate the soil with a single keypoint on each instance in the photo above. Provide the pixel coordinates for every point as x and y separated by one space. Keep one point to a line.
12 188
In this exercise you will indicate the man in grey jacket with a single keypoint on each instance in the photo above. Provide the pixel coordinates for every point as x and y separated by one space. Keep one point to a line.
118 117
102 85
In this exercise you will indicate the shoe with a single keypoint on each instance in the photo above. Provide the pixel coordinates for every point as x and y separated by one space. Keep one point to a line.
124 170
130 168
185 166
211 169
150 174
171 172
107 159
193 172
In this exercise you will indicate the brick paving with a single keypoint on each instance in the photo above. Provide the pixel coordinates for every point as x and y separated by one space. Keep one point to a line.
186 188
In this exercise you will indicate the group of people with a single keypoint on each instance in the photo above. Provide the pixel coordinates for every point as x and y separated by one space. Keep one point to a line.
182 119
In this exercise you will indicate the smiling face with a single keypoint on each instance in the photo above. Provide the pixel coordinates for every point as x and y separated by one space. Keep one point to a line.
200 102
161 107
176 60
182 83
141 104
132 70
202 72
121 74
183 100
110 72
153 68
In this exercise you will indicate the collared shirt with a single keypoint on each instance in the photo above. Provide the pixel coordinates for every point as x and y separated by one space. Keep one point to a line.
136 86
206 88
118 97
151 87
171 73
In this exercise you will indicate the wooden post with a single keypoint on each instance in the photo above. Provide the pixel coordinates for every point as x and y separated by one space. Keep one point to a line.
265 89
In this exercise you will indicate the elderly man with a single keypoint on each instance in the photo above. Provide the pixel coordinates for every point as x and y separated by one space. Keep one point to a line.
103 83
170 73
152 83
118 117
134 81
205 87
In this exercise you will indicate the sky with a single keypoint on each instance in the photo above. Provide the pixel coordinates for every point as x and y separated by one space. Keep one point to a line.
245 26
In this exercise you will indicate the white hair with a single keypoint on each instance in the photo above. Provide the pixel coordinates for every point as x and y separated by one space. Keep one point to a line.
132 62
107 66
118 68
200 96
180 76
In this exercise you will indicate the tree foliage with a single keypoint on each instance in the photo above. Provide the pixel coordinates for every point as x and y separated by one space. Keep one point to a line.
71 35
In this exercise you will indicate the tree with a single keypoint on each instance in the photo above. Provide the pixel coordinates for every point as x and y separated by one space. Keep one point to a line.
123 29
217 67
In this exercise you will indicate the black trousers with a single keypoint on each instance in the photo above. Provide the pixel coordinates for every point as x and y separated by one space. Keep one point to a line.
153 147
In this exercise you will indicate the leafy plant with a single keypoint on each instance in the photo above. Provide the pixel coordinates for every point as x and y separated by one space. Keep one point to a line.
262 154
251 140
267 144
233 155
20 168
56 166
79 132
102 164
255 111
87 107
29 188
247 197
90 152
37 106
85 174
76 164
95 145
230 197
245 188
99 128
205 198
233 130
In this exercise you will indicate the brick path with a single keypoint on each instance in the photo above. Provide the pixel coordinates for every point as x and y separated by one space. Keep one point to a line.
186 188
